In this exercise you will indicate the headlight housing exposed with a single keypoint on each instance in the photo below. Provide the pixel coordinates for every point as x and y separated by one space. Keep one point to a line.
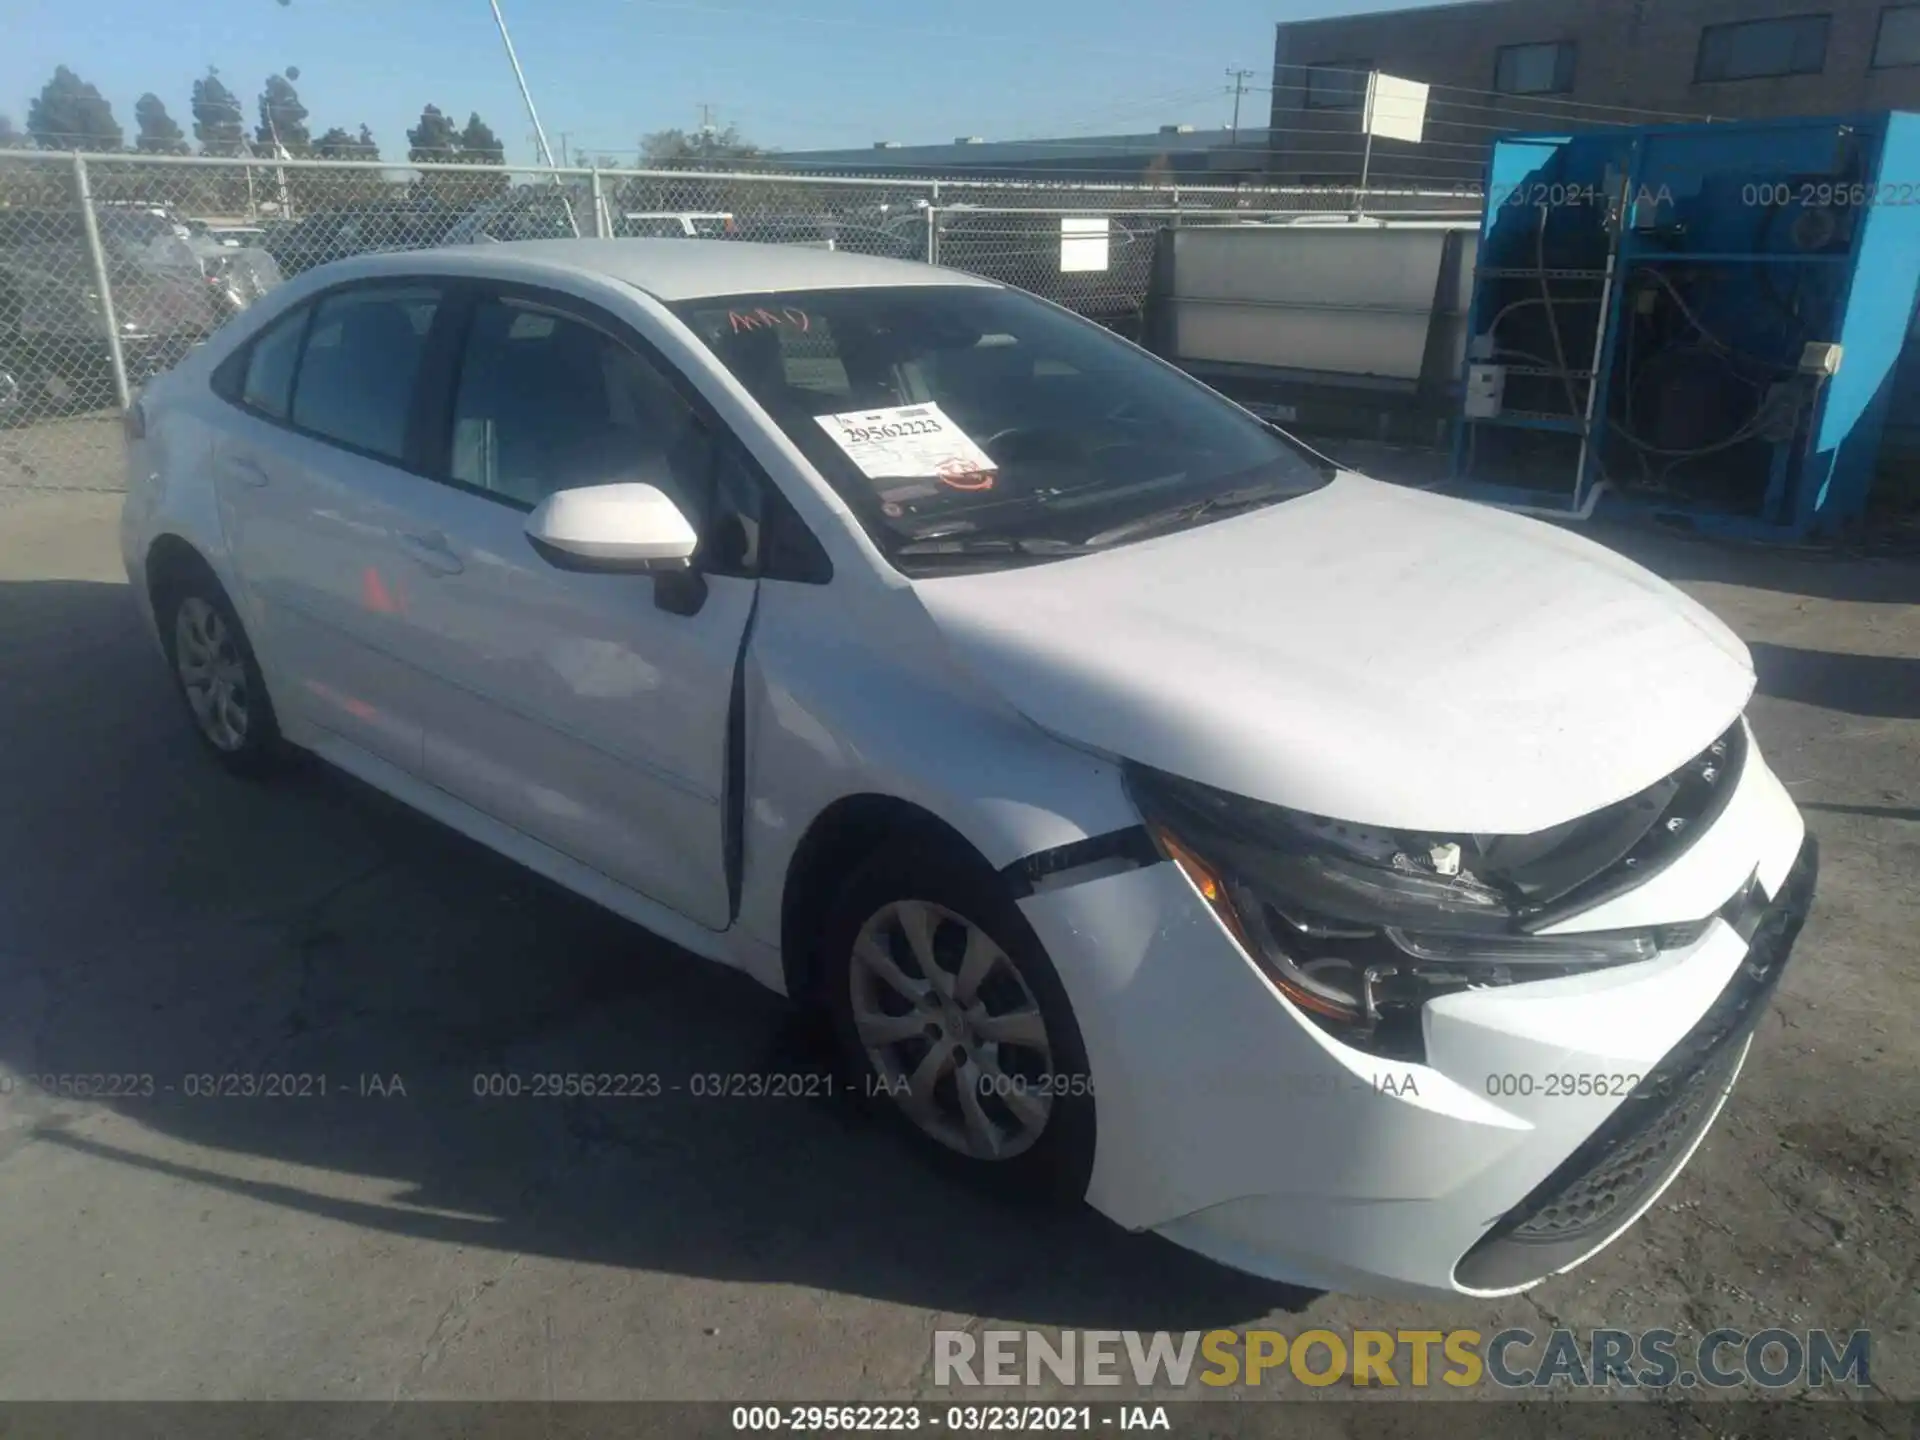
1360 927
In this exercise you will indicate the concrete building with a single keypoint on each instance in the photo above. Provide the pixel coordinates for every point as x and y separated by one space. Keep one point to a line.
1539 64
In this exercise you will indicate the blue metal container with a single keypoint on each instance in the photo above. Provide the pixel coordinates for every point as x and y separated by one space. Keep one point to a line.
1655 313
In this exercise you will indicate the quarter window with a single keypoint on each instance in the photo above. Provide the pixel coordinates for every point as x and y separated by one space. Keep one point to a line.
548 402
359 365
1751 49
268 383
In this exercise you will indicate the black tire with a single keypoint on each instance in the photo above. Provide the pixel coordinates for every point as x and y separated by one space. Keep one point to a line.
260 750
1055 1166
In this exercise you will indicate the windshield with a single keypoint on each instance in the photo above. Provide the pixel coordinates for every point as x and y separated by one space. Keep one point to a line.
976 414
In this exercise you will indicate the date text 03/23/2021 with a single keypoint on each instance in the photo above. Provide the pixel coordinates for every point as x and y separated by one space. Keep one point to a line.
954 1419
204 1085
738 1085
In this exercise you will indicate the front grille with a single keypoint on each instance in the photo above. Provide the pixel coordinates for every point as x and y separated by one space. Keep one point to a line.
1593 1193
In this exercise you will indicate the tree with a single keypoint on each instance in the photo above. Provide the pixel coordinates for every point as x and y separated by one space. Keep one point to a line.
479 145
434 138
159 135
283 119
70 114
11 138
218 121
337 189
702 147
340 144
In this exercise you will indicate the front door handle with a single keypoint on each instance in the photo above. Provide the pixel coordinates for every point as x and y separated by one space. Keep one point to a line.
432 552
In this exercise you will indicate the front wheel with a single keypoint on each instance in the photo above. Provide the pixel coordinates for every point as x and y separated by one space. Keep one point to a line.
950 1018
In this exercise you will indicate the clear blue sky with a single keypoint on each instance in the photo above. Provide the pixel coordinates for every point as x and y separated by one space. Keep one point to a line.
792 74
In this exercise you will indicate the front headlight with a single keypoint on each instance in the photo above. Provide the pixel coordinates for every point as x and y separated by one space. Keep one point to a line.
1360 927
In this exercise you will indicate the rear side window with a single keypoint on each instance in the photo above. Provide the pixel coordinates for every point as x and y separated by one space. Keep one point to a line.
268 383
358 367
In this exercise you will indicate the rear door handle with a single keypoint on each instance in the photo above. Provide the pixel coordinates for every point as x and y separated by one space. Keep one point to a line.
432 551
246 471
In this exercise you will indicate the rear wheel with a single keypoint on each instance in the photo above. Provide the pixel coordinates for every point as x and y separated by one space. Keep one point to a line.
949 1018
217 675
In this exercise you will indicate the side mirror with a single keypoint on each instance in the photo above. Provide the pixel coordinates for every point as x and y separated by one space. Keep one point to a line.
627 528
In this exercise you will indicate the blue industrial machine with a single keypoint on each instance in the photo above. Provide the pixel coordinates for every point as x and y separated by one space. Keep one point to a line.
1701 322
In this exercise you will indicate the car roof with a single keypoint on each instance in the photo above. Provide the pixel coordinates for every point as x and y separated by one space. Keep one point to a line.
681 269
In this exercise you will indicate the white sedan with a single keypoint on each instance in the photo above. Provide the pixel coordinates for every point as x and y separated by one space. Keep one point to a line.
1363 888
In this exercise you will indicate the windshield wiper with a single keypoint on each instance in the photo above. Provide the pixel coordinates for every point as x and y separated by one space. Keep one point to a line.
991 545
1191 512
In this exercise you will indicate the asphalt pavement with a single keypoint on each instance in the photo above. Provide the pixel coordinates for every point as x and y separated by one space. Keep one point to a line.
403 1236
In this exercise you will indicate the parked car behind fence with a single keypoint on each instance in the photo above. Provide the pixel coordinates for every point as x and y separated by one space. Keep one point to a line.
171 288
327 235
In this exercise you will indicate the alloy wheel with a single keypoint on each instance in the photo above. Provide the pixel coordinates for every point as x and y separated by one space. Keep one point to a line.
212 673
953 1030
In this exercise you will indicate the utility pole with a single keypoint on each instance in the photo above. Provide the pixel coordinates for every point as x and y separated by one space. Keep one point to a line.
1239 78
564 162
539 134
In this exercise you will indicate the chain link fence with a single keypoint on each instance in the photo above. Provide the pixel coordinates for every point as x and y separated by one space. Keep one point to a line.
113 266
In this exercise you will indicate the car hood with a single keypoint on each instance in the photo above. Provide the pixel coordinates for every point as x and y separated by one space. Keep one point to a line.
1366 652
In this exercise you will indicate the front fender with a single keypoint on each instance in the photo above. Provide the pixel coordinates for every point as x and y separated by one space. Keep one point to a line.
853 693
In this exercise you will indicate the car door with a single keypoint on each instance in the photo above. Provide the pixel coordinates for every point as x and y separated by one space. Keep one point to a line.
589 711
312 473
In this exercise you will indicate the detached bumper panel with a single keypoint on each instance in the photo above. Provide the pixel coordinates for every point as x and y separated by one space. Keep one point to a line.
1605 1183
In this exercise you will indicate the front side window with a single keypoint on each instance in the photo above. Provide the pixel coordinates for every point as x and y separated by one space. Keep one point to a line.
1752 49
1534 69
358 367
971 418
547 402
1340 85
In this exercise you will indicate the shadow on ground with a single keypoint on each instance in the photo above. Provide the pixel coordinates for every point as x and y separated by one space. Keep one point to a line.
1823 573
162 920
1883 686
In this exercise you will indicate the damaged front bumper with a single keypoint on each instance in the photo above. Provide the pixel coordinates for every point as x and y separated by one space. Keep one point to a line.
1543 1119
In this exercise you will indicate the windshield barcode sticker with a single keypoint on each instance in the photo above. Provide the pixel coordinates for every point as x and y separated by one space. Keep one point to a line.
909 442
